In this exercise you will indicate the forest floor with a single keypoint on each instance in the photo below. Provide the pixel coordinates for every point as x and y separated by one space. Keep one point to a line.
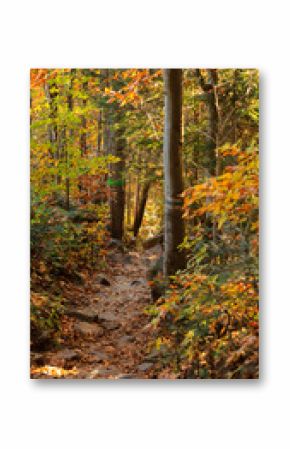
105 330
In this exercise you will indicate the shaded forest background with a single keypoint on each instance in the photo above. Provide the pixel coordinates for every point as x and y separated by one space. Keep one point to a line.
99 152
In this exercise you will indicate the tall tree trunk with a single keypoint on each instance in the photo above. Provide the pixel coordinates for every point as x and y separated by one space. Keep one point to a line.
215 162
128 201
141 208
106 129
137 186
174 259
69 142
210 92
234 100
115 144
51 94
137 197
107 117
83 138
83 141
117 188
99 138
212 160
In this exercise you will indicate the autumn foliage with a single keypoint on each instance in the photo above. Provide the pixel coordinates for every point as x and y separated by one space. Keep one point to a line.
208 319
97 142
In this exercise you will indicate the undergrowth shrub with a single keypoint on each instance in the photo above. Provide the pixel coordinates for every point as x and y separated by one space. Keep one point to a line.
207 321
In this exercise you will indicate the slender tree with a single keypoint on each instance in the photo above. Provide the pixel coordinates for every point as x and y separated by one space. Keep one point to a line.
174 259
69 141
100 131
210 95
117 187
141 208
51 92
83 137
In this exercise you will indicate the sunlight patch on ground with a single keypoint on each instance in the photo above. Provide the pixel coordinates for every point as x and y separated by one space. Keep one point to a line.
54 371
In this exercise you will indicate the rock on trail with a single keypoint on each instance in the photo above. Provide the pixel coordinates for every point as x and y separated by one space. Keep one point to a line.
109 332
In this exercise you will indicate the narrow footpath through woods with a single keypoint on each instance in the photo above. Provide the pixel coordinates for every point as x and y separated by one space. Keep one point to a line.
106 332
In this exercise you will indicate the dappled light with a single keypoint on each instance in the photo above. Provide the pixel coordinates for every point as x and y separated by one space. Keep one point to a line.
144 223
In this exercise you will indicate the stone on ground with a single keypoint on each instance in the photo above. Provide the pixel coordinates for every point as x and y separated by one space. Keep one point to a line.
65 355
125 339
144 366
86 314
88 329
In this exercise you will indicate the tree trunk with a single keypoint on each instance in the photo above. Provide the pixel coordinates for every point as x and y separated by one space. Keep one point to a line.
99 138
209 89
115 144
117 189
83 138
51 95
69 143
128 201
211 156
234 100
141 208
215 160
106 123
174 259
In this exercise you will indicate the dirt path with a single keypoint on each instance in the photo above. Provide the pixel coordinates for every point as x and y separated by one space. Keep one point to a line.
106 330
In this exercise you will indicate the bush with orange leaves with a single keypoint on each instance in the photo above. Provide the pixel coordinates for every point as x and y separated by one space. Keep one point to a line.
208 319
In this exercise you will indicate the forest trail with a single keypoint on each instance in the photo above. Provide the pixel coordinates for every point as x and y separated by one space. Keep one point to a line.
108 180
106 332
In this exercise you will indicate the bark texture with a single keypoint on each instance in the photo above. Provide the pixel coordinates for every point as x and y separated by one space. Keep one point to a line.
83 137
174 259
141 208
51 95
209 89
117 188
70 105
